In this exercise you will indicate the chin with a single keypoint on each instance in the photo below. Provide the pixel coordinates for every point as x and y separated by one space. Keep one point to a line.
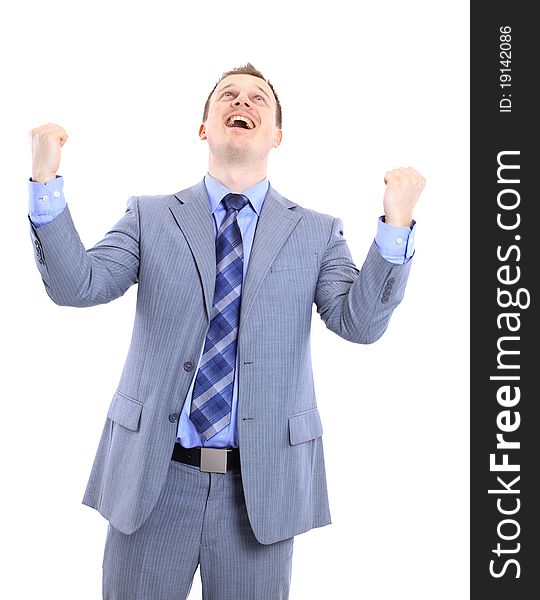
239 155
237 151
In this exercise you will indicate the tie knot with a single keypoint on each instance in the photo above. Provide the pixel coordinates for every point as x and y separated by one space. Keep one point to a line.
236 201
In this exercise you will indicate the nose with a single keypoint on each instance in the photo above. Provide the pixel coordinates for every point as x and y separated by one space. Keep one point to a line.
241 99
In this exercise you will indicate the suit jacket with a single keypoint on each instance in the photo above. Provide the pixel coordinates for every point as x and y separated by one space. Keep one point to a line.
166 245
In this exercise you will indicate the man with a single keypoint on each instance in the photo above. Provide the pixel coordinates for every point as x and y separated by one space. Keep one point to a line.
212 451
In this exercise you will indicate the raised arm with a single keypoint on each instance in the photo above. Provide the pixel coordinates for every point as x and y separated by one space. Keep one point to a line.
72 275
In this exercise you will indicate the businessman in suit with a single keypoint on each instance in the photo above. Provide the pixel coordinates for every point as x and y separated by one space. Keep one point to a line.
211 453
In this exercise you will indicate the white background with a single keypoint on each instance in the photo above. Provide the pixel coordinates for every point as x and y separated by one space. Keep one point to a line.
365 87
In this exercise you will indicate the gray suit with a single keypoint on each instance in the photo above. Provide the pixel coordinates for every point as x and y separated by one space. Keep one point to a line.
166 244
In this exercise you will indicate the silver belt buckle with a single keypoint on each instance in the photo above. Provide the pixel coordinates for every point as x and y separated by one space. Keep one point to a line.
213 460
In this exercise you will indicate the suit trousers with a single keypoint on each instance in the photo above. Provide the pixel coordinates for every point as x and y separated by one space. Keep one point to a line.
199 518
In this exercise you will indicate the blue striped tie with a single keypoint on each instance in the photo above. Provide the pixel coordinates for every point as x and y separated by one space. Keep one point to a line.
212 393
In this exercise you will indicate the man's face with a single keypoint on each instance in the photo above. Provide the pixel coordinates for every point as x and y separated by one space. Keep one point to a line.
241 122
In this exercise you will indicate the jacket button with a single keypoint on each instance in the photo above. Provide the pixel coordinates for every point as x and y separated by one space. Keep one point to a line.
188 366
173 417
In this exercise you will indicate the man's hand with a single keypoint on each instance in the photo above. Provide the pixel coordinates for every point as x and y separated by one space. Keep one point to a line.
403 188
46 142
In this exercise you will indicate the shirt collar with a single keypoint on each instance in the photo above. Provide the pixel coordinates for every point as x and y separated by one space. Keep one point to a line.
216 191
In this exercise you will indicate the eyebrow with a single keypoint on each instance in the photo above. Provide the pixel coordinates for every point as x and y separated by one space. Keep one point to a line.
233 84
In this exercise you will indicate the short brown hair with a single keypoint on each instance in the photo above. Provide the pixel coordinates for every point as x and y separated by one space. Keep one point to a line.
247 69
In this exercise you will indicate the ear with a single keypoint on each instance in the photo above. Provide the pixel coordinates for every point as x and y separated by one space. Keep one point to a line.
202 132
277 139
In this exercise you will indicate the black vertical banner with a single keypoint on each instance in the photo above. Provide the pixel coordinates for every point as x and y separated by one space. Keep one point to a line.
505 267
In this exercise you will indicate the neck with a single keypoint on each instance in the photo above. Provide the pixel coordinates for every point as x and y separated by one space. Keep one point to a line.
239 176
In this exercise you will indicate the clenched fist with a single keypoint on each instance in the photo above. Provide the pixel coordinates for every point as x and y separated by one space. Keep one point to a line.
403 188
46 142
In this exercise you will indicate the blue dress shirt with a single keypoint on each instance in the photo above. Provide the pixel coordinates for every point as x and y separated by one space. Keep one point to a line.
396 244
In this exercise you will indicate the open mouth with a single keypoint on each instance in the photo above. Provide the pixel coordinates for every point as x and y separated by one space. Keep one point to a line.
240 121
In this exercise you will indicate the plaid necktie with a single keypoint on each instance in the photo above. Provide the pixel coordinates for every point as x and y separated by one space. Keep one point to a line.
212 393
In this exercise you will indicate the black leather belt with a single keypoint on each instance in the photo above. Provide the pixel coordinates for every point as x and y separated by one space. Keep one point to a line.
210 460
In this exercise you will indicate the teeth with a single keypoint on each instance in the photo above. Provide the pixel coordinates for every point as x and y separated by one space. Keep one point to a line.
234 118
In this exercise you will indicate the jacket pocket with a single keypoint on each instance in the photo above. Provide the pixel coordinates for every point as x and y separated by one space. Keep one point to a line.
305 426
306 261
125 411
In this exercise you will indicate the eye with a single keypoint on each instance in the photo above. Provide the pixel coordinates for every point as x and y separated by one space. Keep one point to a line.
259 98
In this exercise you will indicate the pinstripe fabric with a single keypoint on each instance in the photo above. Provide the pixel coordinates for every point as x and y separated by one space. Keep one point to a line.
198 517
166 245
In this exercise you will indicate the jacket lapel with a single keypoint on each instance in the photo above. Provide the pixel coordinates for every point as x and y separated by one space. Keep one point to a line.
276 222
193 216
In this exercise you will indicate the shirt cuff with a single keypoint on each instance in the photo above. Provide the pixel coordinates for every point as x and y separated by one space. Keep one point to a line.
45 200
395 244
